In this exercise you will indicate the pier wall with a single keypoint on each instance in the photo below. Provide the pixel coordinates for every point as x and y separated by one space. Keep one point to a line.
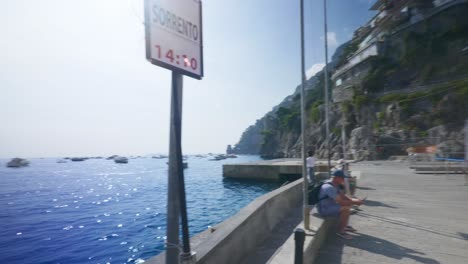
230 241
274 170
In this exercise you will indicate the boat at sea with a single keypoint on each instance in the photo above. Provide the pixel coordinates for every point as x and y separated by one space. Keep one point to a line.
159 157
219 157
78 159
121 159
17 163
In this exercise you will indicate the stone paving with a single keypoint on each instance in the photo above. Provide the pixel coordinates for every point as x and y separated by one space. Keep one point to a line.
407 218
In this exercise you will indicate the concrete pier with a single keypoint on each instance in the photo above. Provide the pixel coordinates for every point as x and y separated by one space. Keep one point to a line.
275 170
407 218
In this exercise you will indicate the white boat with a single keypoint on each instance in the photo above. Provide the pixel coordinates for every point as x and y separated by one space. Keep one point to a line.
219 157
17 163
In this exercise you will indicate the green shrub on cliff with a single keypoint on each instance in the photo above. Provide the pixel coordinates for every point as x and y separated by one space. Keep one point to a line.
346 107
267 134
336 131
389 98
289 118
380 116
314 115
360 100
462 90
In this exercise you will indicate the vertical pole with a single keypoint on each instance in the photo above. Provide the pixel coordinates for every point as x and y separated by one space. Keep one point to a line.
299 238
175 189
343 137
466 152
327 121
181 187
304 168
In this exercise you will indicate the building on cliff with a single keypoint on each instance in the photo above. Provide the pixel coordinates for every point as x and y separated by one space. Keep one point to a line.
369 41
400 82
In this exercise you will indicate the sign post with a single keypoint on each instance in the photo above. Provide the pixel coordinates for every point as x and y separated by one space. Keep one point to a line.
325 70
305 184
466 152
174 35
174 41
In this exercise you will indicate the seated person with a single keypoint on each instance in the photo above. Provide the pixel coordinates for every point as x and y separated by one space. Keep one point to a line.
333 202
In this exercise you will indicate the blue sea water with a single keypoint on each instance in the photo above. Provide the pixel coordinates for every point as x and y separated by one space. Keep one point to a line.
97 211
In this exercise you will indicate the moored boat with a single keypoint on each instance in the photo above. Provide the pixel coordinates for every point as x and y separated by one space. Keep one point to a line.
121 160
17 163
78 159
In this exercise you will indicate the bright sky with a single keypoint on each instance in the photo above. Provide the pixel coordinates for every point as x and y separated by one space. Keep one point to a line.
74 79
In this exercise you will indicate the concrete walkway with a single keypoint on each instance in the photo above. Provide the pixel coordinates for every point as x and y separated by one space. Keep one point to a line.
407 218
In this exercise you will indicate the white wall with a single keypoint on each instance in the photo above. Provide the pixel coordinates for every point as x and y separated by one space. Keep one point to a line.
369 51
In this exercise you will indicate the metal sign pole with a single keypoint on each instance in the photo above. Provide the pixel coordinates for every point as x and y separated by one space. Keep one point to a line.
327 121
466 152
176 187
173 201
343 137
168 48
187 256
304 169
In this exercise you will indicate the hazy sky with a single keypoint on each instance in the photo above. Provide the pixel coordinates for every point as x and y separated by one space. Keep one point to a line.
74 79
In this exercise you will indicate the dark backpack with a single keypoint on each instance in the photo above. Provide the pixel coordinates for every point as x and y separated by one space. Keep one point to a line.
314 193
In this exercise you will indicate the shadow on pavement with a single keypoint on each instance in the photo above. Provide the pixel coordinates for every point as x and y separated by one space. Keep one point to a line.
333 251
365 188
377 203
413 226
389 249
464 235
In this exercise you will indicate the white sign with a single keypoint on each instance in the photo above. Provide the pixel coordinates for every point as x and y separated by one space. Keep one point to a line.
174 35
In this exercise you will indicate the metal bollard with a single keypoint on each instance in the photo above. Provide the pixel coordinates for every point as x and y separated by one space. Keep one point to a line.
299 238
188 258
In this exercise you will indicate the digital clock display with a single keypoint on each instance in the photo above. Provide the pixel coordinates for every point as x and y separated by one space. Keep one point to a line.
174 35
172 58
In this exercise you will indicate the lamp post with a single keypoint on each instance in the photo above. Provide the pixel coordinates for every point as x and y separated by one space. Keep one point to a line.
303 123
327 120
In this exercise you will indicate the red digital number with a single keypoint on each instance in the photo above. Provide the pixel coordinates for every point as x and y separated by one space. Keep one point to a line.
186 60
159 50
170 55
193 63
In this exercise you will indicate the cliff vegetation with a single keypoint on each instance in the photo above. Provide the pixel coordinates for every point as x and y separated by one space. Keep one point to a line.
413 92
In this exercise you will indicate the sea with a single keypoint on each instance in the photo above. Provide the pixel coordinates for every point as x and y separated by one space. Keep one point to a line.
98 211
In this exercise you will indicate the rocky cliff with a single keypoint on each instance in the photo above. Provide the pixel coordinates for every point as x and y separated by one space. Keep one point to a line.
413 93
